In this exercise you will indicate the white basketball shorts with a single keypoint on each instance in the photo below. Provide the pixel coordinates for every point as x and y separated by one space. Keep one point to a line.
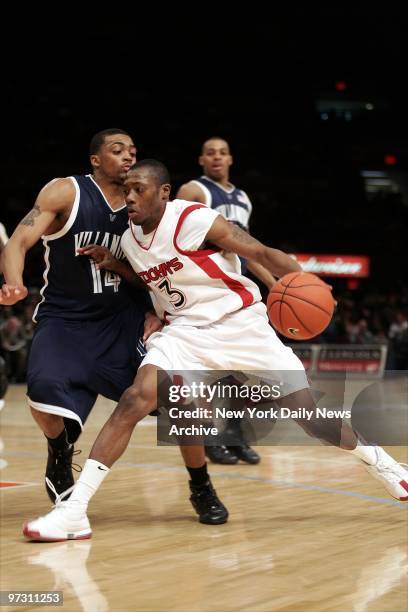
241 341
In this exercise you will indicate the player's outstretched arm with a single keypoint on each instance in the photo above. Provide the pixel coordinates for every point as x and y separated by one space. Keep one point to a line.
230 237
261 273
54 200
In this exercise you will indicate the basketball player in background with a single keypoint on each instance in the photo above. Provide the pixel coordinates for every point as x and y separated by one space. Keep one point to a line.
217 322
3 368
91 323
215 190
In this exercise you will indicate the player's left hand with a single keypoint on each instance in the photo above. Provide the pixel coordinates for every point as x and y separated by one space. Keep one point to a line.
152 324
11 294
101 255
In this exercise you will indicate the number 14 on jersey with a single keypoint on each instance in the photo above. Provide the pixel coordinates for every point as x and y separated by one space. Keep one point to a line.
110 279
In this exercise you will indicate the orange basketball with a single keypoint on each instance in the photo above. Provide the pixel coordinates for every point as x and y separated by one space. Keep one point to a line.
300 305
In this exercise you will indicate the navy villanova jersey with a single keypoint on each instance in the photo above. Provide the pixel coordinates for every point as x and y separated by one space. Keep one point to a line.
233 203
74 289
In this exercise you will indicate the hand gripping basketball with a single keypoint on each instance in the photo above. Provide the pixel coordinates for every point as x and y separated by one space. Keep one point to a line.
300 305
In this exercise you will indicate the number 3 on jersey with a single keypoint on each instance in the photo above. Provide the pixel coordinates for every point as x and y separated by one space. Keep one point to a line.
110 279
177 297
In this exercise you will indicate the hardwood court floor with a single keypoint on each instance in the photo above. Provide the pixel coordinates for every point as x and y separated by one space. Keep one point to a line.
309 530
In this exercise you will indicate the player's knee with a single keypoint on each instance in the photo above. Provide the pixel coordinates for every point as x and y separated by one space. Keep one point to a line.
45 419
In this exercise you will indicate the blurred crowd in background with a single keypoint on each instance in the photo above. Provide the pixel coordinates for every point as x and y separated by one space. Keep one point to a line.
360 318
16 332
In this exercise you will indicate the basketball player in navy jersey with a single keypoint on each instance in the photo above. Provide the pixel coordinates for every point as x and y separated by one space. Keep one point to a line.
91 323
215 190
83 314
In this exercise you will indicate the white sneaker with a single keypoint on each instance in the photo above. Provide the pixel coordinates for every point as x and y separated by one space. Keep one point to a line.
393 475
67 521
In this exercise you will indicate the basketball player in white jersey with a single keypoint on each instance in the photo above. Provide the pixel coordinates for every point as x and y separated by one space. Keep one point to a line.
215 190
186 254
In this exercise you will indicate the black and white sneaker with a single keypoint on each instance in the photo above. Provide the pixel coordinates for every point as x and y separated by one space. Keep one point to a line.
59 471
205 502
221 454
245 453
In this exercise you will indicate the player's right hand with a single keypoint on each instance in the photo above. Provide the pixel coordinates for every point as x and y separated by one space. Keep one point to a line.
102 256
152 324
11 294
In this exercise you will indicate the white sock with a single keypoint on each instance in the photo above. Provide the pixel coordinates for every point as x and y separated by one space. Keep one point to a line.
92 476
366 453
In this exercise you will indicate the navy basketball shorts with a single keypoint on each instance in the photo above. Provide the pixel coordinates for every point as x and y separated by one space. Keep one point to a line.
72 362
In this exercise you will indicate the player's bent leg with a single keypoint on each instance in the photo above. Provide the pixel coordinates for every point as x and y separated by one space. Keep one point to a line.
68 520
136 402
334 431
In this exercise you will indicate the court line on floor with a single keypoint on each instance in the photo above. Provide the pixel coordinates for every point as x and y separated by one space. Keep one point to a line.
282 483
277 451
8 485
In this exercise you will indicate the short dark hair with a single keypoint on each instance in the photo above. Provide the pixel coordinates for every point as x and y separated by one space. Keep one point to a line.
156 168
213 138
99 138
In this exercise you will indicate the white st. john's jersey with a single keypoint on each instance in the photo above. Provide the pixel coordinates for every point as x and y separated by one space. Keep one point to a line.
193 284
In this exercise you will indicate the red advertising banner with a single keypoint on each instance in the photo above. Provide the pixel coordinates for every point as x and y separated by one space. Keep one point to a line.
336 360
347 266
349 359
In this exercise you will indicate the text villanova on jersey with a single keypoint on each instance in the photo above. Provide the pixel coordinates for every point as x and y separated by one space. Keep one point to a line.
110 241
